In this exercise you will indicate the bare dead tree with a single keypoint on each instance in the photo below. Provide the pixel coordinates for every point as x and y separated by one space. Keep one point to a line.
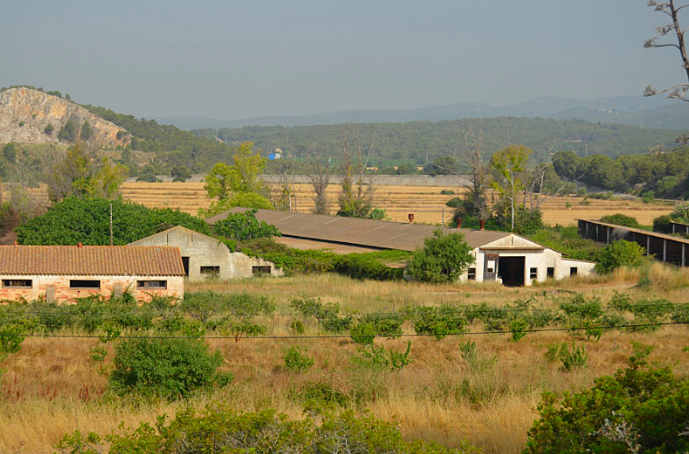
534 184
473 139
319 175
356 197
677 91
285 184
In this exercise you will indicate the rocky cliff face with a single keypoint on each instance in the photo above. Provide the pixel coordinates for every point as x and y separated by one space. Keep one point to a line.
25 114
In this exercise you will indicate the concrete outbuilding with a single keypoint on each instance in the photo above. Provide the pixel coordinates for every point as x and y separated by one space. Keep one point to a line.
206 257
515 260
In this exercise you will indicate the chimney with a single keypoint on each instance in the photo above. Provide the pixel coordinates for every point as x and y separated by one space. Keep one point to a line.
79 245
482 223
459 223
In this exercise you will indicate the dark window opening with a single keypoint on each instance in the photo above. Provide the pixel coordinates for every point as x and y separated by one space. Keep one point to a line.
550 272
471 274
533 273
490 270
185 264
17 283
151 284
573 271
84 284
260 269
210 270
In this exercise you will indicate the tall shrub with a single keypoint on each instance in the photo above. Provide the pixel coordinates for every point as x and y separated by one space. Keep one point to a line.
168 368
443 258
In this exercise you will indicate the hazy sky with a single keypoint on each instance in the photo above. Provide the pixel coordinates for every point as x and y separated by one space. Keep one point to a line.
231 60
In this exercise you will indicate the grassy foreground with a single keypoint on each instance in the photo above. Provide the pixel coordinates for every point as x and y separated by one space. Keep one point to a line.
52 386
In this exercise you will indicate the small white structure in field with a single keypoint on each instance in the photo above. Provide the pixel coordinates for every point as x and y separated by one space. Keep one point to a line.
518 261
206 257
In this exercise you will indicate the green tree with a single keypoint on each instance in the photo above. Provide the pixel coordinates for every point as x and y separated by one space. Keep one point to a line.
180 173
245 226
508 164
9 151
443 258
86 131
619 253
68 132
49 129
226 182
87 221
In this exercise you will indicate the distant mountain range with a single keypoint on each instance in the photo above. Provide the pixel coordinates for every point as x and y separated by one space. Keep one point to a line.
653 112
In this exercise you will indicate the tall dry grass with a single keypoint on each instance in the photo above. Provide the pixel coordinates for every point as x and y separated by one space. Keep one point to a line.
52 386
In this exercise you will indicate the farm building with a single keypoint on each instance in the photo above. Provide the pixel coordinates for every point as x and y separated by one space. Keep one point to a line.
63 273
666 248
679 228
206 257
516 260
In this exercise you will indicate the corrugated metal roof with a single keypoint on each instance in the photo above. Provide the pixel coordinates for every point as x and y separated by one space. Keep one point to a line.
91 260
662 236
361 232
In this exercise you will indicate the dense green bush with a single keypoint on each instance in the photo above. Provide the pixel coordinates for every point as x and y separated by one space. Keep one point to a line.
221 430
619 253
365 266
621 219
443 258
439 321
87 221
296 360
328 315
244 226
568 241
636 410
167 368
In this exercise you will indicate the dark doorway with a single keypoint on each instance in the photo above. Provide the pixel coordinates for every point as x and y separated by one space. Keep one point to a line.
185 263
511 271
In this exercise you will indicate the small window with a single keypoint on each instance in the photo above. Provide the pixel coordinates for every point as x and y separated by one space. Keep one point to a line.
471 274
210 270
550 272
17 283
573 271
84 284
533 273
260 269
151 284
489 270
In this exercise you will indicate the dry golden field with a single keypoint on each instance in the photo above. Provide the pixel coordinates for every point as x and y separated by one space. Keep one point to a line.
426 202
52 387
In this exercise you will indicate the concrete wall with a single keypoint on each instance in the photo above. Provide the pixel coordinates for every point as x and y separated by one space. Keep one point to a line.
204 251
57 288
515 246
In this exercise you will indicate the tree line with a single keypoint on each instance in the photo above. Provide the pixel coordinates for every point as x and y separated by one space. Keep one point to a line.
422 142
659 174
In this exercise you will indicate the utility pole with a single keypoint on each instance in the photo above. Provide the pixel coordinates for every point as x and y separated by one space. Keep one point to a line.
110 223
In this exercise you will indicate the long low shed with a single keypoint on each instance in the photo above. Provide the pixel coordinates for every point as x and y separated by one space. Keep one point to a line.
666 248
499 256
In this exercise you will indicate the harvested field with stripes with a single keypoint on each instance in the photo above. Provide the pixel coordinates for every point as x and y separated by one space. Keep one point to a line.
426 202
